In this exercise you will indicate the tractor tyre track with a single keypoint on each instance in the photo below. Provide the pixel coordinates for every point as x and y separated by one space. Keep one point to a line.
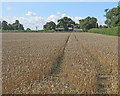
103 76
57 63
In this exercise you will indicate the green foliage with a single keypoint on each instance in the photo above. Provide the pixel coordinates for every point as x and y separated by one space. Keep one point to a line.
107 31
4 25
10 27
14 26
88 23
11 31
28 29
77 26
65 23
17 25
49 26
0 25
21 27
113 17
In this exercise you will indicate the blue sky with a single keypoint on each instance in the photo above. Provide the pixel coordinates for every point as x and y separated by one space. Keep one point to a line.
38 13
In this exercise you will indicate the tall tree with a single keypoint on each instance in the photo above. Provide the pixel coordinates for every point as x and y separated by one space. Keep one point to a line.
88 23
17 22
0 25
49 26
4 25
21 27
65 23
16 25
113 17
10 27
77 26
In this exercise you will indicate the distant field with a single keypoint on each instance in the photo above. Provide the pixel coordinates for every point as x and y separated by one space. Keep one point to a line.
59 63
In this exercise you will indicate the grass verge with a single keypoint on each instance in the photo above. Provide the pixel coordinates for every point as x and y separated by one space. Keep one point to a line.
114 31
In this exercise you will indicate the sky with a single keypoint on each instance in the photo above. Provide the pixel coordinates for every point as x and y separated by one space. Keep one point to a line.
32 14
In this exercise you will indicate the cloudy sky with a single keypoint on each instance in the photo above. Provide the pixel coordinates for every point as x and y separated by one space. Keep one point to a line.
32 14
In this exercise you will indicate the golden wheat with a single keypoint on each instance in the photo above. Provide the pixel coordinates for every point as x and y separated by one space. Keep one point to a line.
59 63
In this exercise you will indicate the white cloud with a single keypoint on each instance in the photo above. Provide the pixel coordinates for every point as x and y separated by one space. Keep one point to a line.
64 15
52 18
30 13
1 18
9 8
76 19
59 13
101 21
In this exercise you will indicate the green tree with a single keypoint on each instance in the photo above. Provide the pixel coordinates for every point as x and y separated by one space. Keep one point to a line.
4 25
28 29
65 23
17 25
0 25
100 26
113 17
77 26
17 22
88 23
103 26
10 27
49 26
21 27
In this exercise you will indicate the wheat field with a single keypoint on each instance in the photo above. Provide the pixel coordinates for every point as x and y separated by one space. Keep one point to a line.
59 63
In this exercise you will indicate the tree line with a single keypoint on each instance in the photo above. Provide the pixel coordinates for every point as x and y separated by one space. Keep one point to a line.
112 20
15 26
66 23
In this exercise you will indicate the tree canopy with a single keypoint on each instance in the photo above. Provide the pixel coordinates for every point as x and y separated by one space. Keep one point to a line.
4 25
88 23
113 17
49 26
0 25
14 26
28 29
77 26
65 23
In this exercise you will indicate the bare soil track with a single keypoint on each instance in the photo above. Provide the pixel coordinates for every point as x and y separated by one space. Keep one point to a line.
59 63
